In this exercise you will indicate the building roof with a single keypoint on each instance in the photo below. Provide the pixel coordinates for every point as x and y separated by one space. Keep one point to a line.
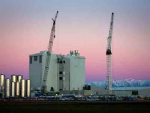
129 88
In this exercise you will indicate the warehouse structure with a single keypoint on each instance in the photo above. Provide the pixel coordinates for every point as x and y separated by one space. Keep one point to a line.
132 91
66 72
119 91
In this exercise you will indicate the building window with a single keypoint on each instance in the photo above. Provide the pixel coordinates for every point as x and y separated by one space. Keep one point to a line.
35 58
57 60
52 89
89 88
40 61
30 60
134 92
60 62
60 78
60 72
60 89
63 61
96 92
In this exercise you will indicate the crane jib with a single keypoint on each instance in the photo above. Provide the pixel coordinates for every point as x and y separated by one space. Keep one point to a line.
52 36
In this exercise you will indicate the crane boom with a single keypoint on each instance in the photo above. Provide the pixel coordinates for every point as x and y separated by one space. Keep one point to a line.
109 54
52 36
49 52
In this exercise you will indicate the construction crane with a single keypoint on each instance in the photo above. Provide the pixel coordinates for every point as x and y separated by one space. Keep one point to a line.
109 55
48 57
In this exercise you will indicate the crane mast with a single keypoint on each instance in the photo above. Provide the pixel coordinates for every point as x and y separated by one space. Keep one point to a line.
109 54
49 52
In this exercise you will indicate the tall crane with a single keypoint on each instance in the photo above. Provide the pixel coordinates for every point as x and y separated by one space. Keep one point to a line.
49 52
109 55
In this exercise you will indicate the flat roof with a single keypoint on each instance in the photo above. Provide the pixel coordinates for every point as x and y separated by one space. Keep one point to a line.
129 88
42 52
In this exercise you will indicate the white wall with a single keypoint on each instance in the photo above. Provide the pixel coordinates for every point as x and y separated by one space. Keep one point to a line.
35 72
77 72
122 93
52 79
74 67
144 92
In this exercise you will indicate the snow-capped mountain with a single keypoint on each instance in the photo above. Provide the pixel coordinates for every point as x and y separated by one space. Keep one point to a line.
123 83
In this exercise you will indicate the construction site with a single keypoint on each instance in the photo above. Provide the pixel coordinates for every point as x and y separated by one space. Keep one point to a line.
56 76
65 74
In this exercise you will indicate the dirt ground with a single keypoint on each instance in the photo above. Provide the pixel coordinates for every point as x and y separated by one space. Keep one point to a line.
73 107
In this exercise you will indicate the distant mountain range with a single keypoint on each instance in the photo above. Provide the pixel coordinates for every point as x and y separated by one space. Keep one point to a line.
123 83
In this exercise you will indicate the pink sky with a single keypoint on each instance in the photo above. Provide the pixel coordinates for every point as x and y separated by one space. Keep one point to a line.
85 28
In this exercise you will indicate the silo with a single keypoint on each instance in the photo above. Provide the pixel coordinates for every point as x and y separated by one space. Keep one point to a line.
17 89
13 86
2 81
13 78
7 88
2 78
22 88
19 78
28 87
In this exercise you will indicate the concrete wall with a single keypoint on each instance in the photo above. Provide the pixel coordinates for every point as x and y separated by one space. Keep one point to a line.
77 72
141 92
144 92
122 93
73 72
35 71
52 74
95 90
64 67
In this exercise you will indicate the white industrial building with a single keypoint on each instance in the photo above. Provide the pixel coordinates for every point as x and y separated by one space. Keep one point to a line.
132 91
66 72
120 91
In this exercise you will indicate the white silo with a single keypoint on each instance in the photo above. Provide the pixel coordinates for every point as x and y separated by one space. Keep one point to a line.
23 88
28 87
17 89
19 78
2 82
13 89
7 88
13 78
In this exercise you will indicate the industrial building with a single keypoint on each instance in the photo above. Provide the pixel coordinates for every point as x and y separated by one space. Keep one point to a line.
63 74
66 72
132 91
119 91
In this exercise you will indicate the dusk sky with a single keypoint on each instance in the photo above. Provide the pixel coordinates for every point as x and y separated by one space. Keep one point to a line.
25 27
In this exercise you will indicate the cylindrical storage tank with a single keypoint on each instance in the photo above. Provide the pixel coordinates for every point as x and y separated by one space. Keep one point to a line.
22 88
2 82
13 78
13 86
17 89
7 88
19 78
2 79
28 87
